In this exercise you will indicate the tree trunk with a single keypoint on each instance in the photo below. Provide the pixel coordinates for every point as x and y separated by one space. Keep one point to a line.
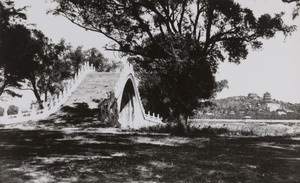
182 127
37 95
2 89
3 86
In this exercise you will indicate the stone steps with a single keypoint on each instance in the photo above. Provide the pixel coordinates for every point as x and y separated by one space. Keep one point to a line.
94 86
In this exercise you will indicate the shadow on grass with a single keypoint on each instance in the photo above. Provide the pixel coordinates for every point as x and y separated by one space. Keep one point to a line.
58 156
79 116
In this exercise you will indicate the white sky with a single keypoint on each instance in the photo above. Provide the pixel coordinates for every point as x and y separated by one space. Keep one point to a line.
276 68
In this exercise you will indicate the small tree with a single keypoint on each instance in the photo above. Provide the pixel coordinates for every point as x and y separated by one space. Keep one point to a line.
101 63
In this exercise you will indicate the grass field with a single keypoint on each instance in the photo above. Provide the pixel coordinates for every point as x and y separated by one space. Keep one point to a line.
37 152
259 128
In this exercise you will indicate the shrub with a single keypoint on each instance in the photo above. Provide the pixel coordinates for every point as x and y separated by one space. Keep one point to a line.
12 109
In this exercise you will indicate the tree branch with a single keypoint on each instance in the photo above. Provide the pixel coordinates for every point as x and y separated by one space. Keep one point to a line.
181 16
169 20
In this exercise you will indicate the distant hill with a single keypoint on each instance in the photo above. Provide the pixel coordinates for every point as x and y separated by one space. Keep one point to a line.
248 107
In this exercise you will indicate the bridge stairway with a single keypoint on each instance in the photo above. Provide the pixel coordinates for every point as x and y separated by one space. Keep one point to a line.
82 106
95 86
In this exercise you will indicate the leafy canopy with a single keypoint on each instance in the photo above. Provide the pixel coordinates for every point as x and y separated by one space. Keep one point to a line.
13 39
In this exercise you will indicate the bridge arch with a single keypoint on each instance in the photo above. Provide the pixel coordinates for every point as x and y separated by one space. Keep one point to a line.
131 112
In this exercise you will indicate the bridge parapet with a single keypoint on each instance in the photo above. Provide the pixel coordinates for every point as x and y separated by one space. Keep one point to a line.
50 106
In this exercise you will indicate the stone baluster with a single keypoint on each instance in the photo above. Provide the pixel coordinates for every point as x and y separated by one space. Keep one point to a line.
52 103
65 91
5 112
60 95
76 76
57 100
33 111
19 112
57 97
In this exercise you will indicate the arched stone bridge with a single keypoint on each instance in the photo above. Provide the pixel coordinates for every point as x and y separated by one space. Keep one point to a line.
97 86
117 89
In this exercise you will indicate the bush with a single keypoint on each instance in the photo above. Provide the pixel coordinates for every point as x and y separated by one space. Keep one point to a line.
12 109
193 131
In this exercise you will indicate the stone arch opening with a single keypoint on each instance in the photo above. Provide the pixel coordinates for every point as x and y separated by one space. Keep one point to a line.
128 105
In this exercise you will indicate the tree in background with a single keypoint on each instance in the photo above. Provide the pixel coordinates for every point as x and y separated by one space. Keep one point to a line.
181 42
25 54
50 67
14 38
76 57
29 56
101 63
79 56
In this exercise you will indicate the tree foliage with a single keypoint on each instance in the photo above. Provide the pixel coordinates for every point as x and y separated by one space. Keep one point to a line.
51 69
14 38
101 63
78 56
177 44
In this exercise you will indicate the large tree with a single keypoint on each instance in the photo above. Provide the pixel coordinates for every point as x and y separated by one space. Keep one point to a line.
181 42
27 54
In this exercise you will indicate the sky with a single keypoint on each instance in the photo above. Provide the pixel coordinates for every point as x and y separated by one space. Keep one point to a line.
274 69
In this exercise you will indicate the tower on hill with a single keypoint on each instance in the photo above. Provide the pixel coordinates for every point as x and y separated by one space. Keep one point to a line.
267 97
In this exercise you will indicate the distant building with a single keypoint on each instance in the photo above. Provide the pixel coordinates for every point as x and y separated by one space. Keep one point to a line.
268 104
267 97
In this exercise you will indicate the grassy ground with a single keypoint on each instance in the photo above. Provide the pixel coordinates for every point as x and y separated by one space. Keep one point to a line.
259 128
49 152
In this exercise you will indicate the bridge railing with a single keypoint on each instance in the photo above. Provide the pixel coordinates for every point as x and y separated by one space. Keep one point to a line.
152 117
50 106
